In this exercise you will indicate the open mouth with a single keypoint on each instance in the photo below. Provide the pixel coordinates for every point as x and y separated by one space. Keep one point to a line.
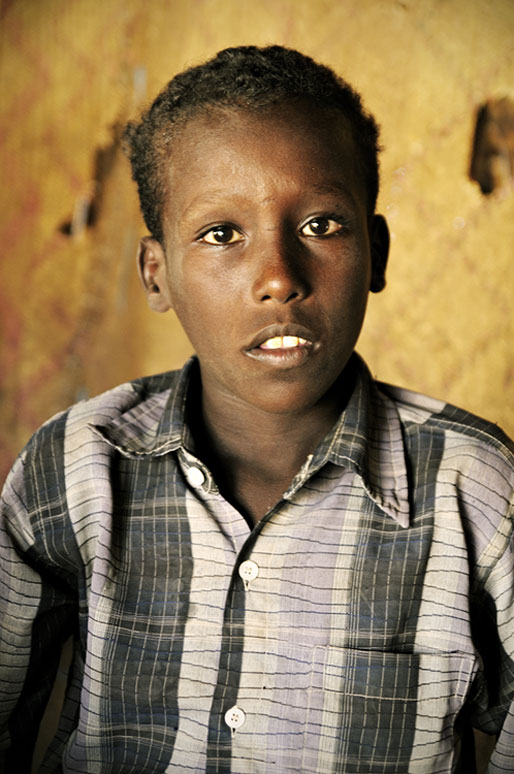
284 342
282 345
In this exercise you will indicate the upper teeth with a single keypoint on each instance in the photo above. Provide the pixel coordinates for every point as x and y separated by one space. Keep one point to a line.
283 342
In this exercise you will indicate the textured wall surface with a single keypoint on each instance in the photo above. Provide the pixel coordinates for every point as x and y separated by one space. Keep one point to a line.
73 320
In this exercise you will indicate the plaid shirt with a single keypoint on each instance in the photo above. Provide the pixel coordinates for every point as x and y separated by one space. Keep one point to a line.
362 626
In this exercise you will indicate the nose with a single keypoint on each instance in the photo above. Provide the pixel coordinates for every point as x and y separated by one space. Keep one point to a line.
280 274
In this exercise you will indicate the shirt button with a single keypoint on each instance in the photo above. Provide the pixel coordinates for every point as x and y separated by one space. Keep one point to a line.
248 570
234 718
195 477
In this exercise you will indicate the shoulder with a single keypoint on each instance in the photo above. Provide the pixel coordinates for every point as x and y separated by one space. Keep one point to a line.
72 429
107 406
433 415
111 405
65 455
464 448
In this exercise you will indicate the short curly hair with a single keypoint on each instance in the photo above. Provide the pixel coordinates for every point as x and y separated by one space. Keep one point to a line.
246 77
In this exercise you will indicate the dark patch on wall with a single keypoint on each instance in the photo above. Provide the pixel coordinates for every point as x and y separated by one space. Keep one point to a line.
492 158
88 206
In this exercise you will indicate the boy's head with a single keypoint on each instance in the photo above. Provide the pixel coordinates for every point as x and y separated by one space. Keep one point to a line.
246 77
258 181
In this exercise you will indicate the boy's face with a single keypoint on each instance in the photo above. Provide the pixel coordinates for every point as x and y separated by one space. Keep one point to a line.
270 252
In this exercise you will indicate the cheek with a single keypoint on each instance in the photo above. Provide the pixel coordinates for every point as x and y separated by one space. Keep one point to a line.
345 289
202 312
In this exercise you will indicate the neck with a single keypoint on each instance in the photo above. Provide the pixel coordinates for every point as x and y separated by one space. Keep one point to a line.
254 454
247 433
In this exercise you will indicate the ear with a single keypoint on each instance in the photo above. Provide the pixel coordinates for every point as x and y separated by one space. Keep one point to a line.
152 270
379 242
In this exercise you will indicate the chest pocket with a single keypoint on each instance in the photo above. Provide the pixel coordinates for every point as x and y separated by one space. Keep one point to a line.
372 712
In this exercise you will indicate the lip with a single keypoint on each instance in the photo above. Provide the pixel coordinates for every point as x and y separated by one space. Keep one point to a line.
283 357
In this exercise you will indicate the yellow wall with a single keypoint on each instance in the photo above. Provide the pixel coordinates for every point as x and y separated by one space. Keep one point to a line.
73 319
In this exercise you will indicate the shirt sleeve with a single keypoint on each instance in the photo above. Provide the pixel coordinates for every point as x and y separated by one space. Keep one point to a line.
499 672
37 598
494 637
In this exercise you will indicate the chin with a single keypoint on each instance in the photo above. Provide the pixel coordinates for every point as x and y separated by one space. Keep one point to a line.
288 399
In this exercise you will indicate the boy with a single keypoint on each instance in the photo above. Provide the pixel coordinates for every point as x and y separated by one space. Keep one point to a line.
268 561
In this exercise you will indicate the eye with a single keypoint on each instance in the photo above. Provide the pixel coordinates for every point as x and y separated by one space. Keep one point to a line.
221 235
320 226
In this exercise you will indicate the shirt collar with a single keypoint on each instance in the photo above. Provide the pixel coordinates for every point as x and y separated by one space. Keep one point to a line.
367 438
156 424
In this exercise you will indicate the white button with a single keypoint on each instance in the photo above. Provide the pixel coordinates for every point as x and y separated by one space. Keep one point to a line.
234 718
195 477
248 570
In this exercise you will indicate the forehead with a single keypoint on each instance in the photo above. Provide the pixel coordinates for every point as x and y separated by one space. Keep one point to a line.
297 142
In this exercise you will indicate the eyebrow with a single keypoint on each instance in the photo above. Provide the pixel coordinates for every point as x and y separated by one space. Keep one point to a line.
205 199
331 189
334 189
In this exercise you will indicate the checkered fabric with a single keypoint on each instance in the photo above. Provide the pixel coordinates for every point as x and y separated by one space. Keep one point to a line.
361 627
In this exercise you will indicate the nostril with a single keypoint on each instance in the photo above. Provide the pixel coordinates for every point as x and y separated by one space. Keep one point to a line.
281 300
277 282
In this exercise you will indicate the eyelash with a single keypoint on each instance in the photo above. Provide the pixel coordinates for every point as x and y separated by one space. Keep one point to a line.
219 227
341 222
